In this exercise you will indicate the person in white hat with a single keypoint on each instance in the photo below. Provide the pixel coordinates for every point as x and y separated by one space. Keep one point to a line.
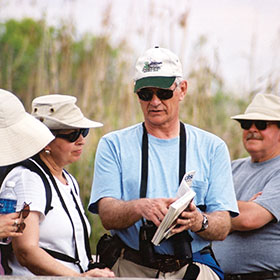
18 142
55 242
251 251
138 171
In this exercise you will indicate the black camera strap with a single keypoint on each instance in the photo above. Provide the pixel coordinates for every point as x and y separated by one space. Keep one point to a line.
145 158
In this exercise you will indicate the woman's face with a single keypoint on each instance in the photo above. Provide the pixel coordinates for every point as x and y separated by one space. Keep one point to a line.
65 152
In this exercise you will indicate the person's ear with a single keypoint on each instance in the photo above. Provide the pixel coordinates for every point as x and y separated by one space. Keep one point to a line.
183 89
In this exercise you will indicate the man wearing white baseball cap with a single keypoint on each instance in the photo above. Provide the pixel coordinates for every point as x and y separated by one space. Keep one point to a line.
22 136
136 177
251 251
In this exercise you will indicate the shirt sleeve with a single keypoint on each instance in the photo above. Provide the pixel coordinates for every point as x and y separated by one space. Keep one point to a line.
270 197
107 173
221 194
29 188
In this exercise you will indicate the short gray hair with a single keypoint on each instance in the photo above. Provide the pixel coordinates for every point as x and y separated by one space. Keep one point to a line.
178 81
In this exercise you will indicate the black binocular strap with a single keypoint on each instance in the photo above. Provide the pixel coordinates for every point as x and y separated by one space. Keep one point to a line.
145 157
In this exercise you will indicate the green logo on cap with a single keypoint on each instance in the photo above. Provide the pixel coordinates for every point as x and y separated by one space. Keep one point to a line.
151 66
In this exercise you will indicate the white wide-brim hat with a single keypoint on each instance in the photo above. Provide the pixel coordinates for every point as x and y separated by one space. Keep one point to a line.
264 107
58 111
22 136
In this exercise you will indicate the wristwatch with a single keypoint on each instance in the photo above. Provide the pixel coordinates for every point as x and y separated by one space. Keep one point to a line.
204 225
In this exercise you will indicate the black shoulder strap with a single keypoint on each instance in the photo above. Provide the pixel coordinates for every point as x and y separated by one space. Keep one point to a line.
32 166
35 168
86 235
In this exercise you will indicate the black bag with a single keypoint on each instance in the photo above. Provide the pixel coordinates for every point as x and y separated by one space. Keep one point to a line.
108 250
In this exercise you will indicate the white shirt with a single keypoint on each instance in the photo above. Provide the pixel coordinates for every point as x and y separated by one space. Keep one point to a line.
56 232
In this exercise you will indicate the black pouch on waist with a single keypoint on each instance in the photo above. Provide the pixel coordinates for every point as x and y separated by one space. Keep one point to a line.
181 243
146 248
108 250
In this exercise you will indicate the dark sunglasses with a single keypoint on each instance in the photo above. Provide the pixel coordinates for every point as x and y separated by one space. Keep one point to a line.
146 94
24 212
73 136
260 125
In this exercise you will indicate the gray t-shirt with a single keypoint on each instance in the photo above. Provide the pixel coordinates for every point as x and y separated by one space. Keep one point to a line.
256 250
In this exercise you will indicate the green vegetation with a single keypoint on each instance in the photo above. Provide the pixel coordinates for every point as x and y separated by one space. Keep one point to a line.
37 59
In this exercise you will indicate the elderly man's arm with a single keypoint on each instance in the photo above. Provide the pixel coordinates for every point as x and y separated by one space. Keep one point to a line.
252 216
219 223
119 214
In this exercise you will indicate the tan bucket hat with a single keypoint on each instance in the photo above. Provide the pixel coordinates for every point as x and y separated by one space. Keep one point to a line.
263 107
22 136
58 111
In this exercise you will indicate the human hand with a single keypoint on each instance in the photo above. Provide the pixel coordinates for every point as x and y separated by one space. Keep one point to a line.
9 225
191 219
154 209
255 196
97 272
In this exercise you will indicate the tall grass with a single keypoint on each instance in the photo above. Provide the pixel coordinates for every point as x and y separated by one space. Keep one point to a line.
36 59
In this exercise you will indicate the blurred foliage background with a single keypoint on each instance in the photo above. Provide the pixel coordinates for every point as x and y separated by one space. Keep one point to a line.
37 59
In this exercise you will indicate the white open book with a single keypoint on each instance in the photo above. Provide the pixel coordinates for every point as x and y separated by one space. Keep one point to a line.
185 195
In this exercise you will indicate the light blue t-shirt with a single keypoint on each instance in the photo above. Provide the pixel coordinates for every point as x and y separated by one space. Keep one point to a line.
117 174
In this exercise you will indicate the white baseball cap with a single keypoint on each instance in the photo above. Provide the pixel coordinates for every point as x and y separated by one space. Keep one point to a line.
22 136
157 67
59 111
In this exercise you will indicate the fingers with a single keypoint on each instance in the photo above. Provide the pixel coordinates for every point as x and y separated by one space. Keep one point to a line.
9 225
96 272
16 223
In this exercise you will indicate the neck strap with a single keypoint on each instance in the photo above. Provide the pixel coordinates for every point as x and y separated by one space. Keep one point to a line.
145 158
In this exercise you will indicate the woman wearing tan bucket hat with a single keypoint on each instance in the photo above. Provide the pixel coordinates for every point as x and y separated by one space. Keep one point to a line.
55 243
18 142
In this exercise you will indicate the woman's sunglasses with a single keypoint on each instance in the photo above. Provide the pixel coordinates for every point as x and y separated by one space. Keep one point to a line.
24 212
73 136
260 125
146 94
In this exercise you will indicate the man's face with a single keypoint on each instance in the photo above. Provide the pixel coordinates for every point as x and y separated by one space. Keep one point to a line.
160 112
262 144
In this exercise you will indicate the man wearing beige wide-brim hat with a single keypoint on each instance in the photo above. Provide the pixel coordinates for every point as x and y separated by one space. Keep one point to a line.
251 251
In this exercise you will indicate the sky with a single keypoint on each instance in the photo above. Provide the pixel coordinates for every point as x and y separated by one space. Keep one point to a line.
242 36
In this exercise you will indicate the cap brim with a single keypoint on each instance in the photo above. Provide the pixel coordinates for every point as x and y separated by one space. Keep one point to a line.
158 82
23 140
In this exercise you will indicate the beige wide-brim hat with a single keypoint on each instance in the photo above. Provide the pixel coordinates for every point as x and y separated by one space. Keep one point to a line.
22 136
58 111
263 107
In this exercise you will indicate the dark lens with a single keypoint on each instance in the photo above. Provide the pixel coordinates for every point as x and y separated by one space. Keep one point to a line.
84 131
246 124
261 125
25 210
71 137
21 227
164 94
145 94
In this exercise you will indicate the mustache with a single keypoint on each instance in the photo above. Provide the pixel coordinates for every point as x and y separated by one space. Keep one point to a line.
253 135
